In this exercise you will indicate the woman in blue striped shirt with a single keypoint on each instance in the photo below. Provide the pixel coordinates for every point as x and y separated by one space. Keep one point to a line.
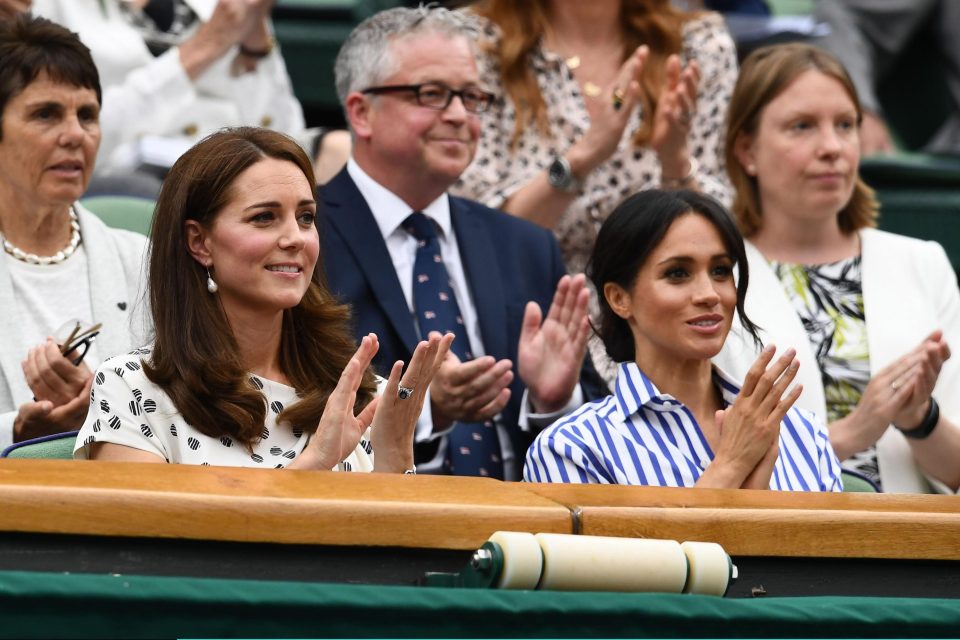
664 267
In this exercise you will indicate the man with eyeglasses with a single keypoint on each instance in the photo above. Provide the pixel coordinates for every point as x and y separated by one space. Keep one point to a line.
412 260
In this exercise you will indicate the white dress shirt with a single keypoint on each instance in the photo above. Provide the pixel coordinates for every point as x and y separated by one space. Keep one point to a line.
390 211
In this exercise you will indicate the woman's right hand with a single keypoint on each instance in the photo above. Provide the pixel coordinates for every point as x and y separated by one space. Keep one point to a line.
340 430
750 428
53 377
601 140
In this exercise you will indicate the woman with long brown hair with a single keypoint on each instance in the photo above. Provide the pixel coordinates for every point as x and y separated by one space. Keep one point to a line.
599 100
252 362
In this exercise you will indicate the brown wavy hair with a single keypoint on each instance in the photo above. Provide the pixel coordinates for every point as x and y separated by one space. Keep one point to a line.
196 359
766 73
522 23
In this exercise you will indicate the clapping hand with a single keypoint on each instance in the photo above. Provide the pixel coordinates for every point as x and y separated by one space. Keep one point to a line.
750 428
898 394
340 430
620 100
673 118
550 354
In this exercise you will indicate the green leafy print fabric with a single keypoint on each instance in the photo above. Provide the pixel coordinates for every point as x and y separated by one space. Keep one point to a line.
828 298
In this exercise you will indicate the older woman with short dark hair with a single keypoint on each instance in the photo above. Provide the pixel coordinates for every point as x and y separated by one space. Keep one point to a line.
59 263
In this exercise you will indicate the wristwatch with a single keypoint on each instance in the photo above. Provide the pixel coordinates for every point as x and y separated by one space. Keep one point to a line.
561 176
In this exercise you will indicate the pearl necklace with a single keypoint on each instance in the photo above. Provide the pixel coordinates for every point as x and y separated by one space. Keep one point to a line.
58 257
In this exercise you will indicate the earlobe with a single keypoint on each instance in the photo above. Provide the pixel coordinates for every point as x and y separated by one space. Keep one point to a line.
618 299
196 242
743 150
359 113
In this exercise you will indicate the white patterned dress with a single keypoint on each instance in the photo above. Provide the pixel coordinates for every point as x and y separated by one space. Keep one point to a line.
499 171
126 408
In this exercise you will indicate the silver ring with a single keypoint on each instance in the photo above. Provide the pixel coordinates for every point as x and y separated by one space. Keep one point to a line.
404 392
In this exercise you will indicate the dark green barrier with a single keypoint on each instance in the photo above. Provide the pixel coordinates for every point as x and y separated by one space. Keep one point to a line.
41 605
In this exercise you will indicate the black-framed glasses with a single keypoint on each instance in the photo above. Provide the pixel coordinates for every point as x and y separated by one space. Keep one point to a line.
436 95
74 339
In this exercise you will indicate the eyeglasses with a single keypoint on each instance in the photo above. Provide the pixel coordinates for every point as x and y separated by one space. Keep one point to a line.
73 336
435 95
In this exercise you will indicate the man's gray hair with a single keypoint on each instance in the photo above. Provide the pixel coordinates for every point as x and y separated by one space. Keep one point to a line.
364 59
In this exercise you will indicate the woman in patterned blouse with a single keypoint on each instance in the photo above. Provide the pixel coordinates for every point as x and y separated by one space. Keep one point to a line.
871 314
253 362
601 99
664 264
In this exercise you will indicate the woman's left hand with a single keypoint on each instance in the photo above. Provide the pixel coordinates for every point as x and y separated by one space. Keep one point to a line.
396 417
920 380
674 115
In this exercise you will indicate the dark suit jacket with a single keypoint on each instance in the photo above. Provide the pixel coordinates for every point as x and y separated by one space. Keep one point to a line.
507 262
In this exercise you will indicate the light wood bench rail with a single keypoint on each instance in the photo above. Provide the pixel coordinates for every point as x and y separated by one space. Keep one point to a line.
254 505
788 532
578 495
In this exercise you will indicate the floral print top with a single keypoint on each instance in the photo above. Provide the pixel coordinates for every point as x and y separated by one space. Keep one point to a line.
829 301
498 171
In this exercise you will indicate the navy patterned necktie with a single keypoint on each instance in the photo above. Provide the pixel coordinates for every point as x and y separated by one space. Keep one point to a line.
473 449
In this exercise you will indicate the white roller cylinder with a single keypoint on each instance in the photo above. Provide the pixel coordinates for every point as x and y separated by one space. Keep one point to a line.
522 560
709 568
597 563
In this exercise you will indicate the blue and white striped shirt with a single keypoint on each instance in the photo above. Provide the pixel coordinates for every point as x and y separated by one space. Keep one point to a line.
640 436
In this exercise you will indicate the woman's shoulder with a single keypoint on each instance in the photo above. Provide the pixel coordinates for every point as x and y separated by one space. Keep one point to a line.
124 365
706 34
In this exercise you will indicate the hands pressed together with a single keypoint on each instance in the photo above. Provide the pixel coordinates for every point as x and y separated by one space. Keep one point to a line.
899 394
61 392
749 429
233 22
671 123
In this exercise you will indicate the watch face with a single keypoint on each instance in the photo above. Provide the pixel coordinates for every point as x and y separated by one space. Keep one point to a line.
558 175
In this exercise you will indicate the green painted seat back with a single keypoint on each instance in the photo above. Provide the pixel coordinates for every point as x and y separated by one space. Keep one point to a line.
122 212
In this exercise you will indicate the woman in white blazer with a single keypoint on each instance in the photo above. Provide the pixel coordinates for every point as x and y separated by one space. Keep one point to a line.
875 313
59 262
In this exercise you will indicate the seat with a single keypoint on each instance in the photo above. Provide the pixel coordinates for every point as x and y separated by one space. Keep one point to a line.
58 446
854 482
122 212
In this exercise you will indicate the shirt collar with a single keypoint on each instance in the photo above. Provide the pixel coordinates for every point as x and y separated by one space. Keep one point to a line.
389 210
633 389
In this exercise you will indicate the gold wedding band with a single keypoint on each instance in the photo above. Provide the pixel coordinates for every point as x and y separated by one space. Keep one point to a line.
617 99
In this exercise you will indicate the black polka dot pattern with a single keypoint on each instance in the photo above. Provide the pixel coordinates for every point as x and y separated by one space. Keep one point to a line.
129 409
498 170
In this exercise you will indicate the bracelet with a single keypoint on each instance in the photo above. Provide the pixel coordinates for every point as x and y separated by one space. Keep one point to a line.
925 428
685 181
410 472
259 53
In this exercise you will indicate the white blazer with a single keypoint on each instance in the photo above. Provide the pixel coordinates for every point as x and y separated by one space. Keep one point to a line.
909 289
115 268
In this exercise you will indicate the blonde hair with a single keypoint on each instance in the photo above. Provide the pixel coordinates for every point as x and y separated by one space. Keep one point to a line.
766 73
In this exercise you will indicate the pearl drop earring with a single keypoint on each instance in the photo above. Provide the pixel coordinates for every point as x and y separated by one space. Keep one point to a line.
211 285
